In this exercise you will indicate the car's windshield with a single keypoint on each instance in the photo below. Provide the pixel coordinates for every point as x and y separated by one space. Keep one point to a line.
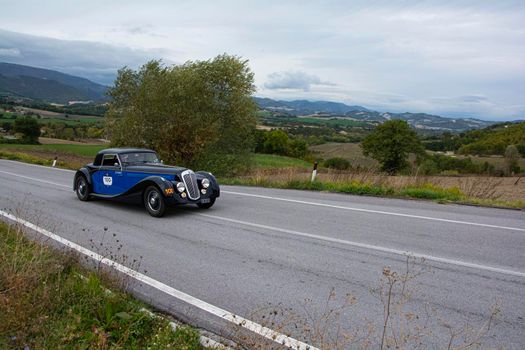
139 158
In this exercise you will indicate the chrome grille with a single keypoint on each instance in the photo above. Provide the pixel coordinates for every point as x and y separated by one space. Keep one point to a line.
190 181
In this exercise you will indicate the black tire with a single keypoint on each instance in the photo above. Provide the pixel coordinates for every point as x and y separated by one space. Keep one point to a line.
154 202
82 188
206 205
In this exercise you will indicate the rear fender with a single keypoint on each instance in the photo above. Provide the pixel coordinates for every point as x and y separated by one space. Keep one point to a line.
82 172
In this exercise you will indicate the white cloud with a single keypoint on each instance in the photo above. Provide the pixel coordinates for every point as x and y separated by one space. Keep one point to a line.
294 80
400 55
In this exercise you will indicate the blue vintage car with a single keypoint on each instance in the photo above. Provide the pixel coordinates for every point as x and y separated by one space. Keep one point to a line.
135 172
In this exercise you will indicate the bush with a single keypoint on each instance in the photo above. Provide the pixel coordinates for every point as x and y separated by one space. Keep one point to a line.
438 163
337 163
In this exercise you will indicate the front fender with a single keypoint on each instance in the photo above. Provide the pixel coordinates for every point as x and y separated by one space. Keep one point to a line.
214 185
165 186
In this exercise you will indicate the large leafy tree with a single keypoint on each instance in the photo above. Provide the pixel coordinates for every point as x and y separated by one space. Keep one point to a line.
391 143
199 114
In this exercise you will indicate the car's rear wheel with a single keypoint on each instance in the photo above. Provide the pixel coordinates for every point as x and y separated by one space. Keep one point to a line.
82 188
154 201
206 205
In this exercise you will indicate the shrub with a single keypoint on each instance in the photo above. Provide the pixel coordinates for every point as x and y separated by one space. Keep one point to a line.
337 163
438 163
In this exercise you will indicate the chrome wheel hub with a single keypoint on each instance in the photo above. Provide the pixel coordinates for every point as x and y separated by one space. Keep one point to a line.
153 200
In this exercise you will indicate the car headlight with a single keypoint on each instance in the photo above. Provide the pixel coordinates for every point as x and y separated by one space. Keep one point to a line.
180 187
205 183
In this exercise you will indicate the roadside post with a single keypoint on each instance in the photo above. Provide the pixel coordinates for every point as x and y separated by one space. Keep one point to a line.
55 161
314 172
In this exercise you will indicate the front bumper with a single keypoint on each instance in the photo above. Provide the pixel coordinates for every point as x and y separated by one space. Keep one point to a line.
176 198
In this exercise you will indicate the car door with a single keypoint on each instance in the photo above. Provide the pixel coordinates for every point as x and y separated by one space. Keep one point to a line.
107 180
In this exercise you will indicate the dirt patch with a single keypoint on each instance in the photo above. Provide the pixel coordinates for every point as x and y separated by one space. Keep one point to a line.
72 160
51 141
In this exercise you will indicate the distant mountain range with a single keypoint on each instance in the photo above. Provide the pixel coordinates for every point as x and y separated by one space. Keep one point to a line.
51 86
47 85
304 107
325 109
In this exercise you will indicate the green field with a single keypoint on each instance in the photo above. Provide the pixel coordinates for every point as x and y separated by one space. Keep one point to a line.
267 161
349 151
80 150
67 121
330 121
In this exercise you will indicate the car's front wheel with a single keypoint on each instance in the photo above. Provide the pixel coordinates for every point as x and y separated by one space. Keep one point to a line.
206 205
154 202
82 188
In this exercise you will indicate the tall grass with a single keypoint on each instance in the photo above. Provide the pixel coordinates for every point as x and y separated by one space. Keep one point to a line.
47 303
471 190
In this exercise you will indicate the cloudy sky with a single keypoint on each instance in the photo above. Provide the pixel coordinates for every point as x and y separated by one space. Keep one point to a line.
454 58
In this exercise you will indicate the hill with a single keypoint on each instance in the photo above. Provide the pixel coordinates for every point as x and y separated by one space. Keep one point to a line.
304 107
492 140
331 110
48 85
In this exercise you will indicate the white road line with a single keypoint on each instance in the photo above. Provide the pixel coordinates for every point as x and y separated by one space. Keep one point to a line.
35 179
37 165
214 310
373 247
374 211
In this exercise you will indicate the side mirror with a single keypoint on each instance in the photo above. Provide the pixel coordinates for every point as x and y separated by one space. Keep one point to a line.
116 164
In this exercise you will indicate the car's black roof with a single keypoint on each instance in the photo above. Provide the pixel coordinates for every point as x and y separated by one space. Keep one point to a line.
123 150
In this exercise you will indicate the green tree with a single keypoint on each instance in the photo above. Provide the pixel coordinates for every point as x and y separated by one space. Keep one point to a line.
511 159
276 142
391 143
29 128
297 148
199 114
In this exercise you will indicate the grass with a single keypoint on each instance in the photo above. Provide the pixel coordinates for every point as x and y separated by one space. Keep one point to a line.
47 303
268 161
427 191
483 191
349 151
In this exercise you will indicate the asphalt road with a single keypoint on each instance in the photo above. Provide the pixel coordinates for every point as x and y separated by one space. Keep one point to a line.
258 246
